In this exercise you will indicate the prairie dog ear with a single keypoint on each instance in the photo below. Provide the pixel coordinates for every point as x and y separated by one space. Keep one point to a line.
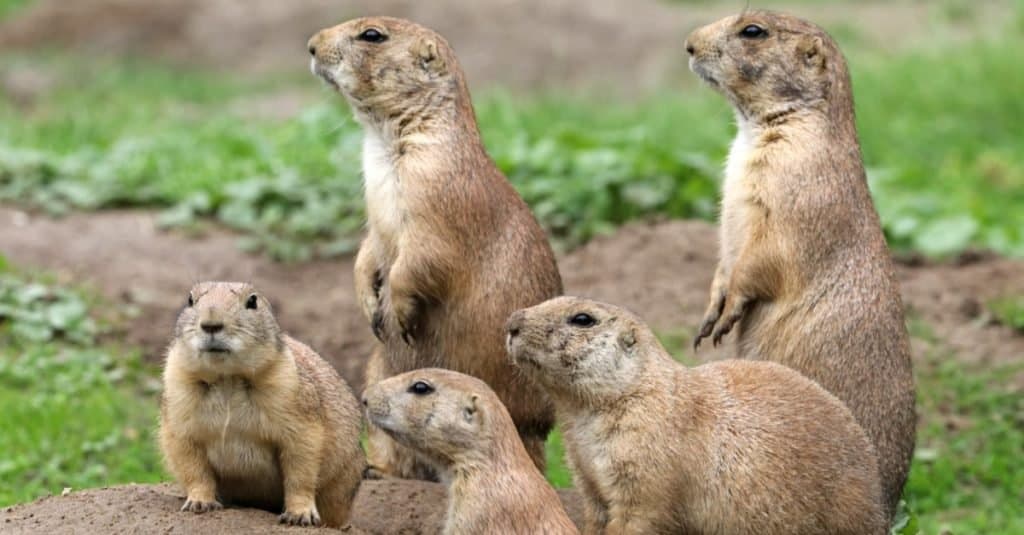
469 412
428 56
811 49
627 338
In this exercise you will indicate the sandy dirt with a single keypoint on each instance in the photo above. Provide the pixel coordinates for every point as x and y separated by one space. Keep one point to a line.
634 45
382 507
661 270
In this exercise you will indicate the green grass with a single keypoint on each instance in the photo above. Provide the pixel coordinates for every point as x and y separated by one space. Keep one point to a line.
1009 311
75 415
7 7
967 476
945 157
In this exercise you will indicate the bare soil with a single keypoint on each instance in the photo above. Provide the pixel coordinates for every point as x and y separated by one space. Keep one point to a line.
660 270
634 45
382 507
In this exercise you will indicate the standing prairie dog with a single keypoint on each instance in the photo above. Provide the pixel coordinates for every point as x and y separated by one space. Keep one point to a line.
459 425
805 273
451 249
733 447
251 416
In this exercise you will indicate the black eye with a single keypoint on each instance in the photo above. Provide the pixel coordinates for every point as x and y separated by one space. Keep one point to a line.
372 35
583 320
250 303
190 300
420 388
753 31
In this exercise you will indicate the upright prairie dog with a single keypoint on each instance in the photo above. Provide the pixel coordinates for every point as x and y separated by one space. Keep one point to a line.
805 272
733 447
459 425
250 416
451 249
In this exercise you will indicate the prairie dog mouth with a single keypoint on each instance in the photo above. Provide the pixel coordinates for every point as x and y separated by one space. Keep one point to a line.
700 70
214 345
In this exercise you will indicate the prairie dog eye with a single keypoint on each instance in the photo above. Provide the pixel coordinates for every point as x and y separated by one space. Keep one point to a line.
372 35
420 388
753 31
251 302
583 320
190 301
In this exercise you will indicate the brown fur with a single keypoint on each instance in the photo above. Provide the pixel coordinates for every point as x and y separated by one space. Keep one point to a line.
461 427
805 272
451 249
733 447
265 422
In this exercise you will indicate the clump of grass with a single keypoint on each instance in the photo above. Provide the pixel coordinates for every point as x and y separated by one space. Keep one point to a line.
75 415
1009 311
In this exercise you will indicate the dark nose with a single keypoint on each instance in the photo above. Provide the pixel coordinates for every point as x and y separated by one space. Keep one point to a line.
211 327
689 48
364 401
311 44
515 324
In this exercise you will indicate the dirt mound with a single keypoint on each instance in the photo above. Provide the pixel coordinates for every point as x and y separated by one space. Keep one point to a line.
385 507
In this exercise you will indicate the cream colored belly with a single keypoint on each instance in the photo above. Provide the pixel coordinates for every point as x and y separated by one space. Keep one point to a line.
247 472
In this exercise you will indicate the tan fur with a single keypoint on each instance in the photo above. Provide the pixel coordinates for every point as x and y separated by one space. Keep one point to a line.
265 422
451 249
805 272
733 447
461 427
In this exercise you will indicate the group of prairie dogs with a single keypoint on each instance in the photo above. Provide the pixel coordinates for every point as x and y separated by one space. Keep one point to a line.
809 431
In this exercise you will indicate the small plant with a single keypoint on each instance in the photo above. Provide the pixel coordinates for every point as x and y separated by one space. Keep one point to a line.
1009 311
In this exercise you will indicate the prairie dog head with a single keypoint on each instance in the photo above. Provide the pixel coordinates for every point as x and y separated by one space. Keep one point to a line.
768 64
227 326
383 65
580 348
446 416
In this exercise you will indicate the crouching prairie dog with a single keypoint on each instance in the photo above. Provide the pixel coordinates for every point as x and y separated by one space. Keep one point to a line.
805 274
252 417
459 425
451 249
732 447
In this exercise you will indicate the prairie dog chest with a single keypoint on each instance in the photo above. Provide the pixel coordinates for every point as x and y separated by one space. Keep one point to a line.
736 193
594 443
383 189
231 422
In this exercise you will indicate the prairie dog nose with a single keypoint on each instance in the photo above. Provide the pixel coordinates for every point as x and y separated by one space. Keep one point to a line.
211 327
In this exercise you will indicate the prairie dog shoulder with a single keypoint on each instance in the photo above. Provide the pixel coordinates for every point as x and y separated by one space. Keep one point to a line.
251 416
656 447
457 422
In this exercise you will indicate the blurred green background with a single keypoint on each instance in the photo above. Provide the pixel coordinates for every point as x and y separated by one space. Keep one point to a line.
171 117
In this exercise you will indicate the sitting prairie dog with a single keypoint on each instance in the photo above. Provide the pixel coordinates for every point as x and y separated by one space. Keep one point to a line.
732 447
459 425
250 416
451 249
805 273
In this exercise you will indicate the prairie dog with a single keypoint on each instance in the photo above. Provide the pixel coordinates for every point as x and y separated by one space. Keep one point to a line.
732 447
805 273
250 416
451 249
459 425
